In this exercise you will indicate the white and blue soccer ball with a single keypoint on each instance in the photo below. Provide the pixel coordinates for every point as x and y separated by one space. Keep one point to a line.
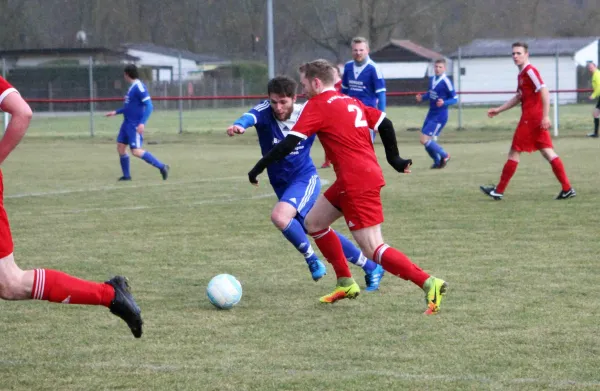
224 291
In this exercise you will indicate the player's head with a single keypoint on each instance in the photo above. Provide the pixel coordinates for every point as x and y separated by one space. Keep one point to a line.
131 72
316 76
439 66
360 49
591 66
282 95
520 53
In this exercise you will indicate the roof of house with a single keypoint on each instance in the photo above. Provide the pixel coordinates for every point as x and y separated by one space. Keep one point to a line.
68 51
174 52
537 46
404 50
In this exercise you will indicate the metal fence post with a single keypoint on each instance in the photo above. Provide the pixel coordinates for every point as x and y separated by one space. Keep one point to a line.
180 96
458 77
91 86
556 102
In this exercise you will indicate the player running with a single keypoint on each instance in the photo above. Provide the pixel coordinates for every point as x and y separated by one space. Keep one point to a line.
136 111
532 133
441 95
47 284
295 178
343 124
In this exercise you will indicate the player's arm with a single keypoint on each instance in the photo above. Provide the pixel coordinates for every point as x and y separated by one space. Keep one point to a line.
21 115
148 109
344 89
388 138
509 104
545 108
380 90
241 124
277 153
115 112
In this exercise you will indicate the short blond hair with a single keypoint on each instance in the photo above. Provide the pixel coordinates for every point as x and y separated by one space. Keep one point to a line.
360 40
319 69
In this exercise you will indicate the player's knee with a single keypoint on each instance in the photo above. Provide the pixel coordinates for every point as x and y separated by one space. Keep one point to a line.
137 152
280 220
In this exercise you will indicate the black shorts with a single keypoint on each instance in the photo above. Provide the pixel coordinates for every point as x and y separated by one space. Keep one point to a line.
598 104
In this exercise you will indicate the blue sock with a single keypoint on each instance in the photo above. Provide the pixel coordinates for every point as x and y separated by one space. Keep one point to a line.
148 158
354 255
295 234
439 150
125 165
432 151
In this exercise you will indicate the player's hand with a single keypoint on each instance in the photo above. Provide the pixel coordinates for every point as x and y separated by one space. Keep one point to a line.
401 165
590 97
253 178
110 114
546 123
493 112
140 128
235 129
439 102
419 98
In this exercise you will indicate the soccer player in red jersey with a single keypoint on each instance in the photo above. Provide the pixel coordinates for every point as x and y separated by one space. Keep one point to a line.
343 124
46 284
532 133
337 85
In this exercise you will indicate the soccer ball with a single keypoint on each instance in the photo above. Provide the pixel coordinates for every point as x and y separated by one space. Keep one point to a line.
224 291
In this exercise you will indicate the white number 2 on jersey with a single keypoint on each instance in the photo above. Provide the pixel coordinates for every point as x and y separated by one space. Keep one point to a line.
358 122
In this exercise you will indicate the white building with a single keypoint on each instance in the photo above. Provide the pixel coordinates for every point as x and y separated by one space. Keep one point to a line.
486 66
165 61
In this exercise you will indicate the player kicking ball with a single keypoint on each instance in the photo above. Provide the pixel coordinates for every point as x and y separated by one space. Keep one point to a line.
343 124
532 133
294 179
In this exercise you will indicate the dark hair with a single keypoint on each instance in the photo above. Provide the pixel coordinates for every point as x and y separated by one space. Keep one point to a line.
440 61
282 85
132 71
521 45
319 69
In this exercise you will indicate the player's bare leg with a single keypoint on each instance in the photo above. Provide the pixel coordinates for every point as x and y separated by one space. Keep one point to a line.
58 287
559 171
283 217
317 223
393 261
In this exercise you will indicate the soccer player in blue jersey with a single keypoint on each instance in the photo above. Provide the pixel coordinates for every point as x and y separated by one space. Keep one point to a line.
295 178
362 78
441 94
136 111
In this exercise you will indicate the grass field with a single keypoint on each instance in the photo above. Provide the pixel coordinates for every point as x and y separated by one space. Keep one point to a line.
522 312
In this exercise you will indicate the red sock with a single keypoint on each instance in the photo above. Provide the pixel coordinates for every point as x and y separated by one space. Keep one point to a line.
331 247
398 264
58 287
510 167
559 171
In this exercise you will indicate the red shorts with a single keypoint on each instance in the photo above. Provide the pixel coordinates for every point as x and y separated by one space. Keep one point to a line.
361 209
530 137
6 243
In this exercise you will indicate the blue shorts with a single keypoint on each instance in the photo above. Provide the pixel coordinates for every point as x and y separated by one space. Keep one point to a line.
433 126
301 194
128 135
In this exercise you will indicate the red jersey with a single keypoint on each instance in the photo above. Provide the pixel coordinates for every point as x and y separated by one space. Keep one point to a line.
530 83
343 123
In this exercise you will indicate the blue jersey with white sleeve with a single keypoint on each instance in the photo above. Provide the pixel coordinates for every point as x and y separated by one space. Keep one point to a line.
440 87
364 82
137 105
298 164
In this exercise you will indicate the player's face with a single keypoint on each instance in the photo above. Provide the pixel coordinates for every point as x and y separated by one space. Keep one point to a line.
591 67
519 55
360 51
308 86
439 68
282 106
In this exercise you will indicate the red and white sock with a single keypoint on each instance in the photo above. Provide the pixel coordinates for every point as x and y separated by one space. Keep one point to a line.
397 263
331 247
59 287
559 171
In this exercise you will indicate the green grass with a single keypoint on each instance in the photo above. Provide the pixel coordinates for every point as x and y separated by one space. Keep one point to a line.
522 312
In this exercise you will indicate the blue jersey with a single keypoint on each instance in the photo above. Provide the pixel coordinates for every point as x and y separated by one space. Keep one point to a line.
440 87
135 103
295 166
363 82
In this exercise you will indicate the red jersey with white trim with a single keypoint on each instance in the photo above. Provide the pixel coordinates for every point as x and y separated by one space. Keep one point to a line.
530 83
343 123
